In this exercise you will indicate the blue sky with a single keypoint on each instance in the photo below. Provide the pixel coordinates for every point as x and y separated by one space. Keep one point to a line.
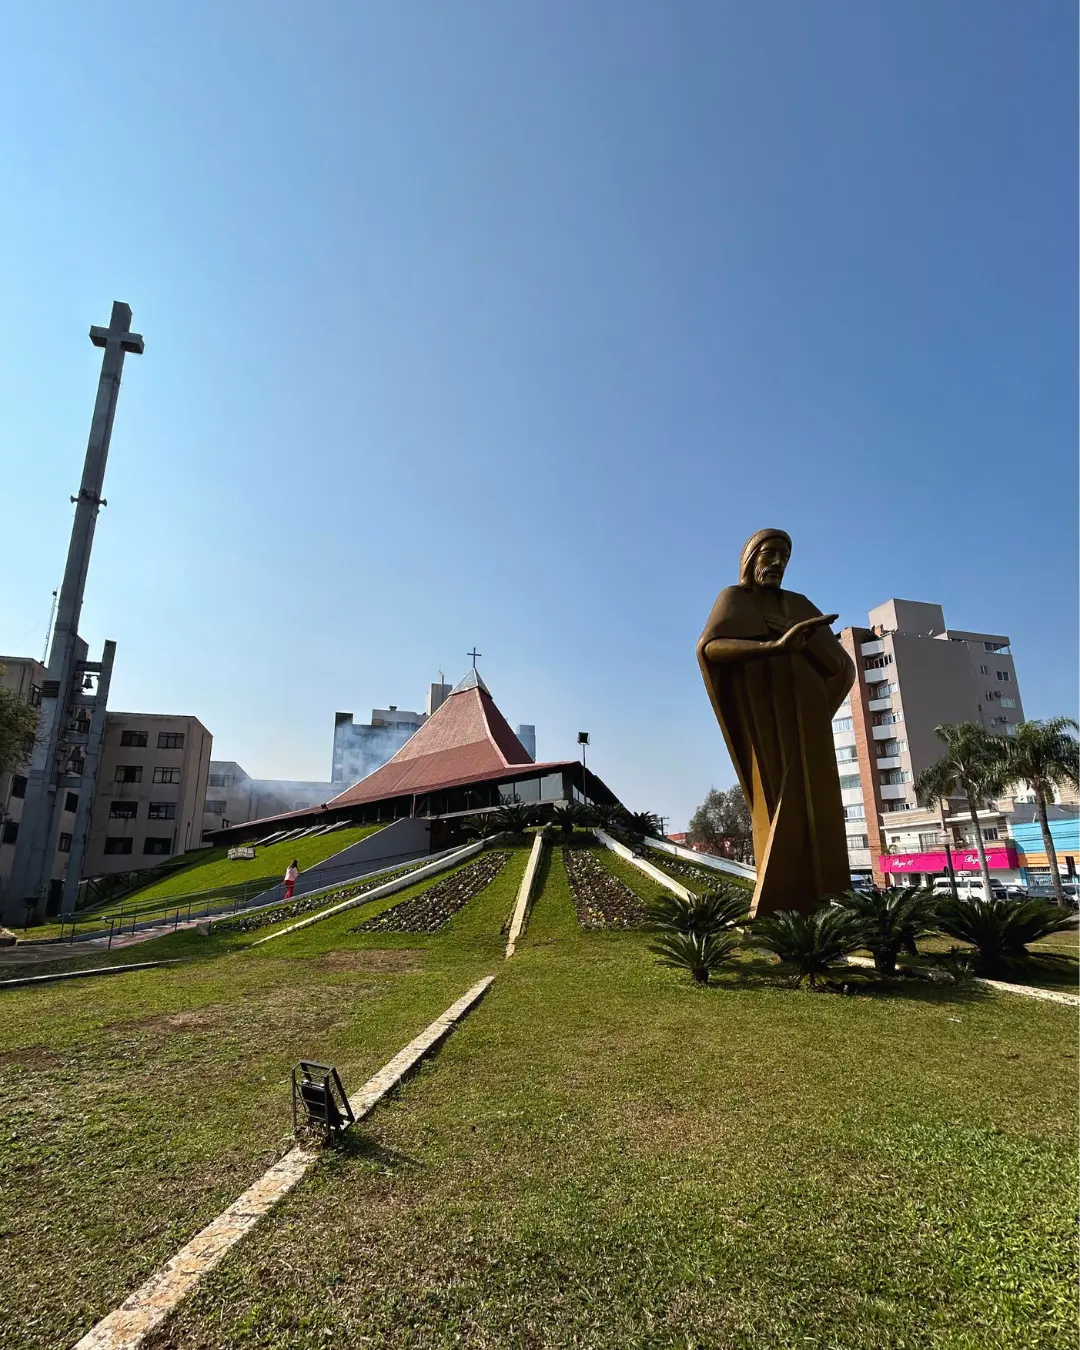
506 324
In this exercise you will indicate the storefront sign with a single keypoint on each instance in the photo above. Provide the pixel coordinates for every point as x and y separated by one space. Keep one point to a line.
963 860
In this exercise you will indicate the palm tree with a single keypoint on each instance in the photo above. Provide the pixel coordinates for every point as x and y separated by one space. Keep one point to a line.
512 818
1044 755
566 817
972 767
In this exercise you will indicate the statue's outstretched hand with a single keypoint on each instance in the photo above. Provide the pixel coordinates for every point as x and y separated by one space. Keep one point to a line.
799 634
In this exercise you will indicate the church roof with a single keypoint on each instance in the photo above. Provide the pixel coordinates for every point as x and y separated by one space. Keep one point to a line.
466 740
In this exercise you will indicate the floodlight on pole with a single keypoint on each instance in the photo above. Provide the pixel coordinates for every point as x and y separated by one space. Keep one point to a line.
583 741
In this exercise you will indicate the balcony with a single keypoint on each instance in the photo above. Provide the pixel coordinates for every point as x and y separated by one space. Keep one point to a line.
880 705
875 648
893 792
884 733
890 762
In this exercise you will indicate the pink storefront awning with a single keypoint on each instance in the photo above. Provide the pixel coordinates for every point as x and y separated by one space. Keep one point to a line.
1003 859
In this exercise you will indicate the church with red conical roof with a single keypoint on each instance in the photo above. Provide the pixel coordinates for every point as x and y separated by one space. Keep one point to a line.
463 760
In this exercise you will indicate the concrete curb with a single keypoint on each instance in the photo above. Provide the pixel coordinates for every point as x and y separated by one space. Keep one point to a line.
1002 986
647 867
85 974
127 1326
391 888
517 923
704 859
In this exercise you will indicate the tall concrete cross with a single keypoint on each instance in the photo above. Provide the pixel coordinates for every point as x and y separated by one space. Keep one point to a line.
40 826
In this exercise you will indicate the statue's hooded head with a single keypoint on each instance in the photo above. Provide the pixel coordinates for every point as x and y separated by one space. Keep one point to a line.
764 557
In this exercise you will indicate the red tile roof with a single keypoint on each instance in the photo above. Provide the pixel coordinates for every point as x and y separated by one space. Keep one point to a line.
467 740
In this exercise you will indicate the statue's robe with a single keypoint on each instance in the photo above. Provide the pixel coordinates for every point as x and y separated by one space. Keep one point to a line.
776 715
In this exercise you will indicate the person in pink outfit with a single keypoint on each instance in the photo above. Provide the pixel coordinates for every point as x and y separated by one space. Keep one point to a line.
291 873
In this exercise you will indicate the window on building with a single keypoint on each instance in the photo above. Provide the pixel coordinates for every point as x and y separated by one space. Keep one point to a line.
878 662
1009 729
216 780
117 844
71 801
136 738
18 785
166 775
162 811
894 748
1003 676
76 764
10 832
842 724
64 844
930 840
123 810
170 740
886 719
894 777
854 813
159 844
883 690
848 781
846 754
984 670
1008 703
990 833
215 808
858 841
35 696
129 773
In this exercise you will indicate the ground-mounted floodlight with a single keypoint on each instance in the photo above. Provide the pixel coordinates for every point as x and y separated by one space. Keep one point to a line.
317 1092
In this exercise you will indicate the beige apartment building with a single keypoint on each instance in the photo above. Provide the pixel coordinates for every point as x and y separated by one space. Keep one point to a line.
151 788
914 674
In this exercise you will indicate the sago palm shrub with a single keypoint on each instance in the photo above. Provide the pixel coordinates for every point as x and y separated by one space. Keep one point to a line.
702 954
812 946
1000 930
715 911
892 921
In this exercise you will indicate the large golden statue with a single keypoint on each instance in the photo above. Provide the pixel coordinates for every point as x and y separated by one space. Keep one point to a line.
776 675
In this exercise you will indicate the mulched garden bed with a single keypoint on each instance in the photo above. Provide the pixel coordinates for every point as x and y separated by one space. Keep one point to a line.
432 909
601 899
293 909
705 878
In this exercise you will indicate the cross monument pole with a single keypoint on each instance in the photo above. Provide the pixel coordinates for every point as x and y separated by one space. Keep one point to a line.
40 825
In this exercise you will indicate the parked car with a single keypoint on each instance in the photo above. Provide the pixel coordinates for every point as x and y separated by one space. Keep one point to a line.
1015 891
970 886
1044 890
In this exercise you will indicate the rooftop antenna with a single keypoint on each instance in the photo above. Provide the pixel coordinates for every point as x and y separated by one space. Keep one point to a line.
48 627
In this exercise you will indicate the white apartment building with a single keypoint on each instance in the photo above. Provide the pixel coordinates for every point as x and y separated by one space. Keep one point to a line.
913 674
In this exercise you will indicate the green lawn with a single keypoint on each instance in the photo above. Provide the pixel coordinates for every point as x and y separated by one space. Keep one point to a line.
603 1155
211 870
135 1108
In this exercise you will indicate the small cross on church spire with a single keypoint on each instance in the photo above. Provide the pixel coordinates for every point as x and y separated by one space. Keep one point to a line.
474 654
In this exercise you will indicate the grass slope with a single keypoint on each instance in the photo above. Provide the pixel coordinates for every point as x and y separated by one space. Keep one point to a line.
136 1108
607 1156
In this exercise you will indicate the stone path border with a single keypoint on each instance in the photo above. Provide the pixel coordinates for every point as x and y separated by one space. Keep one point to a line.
84 974
517 923
392 887
127 1326
640 863
1025 990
